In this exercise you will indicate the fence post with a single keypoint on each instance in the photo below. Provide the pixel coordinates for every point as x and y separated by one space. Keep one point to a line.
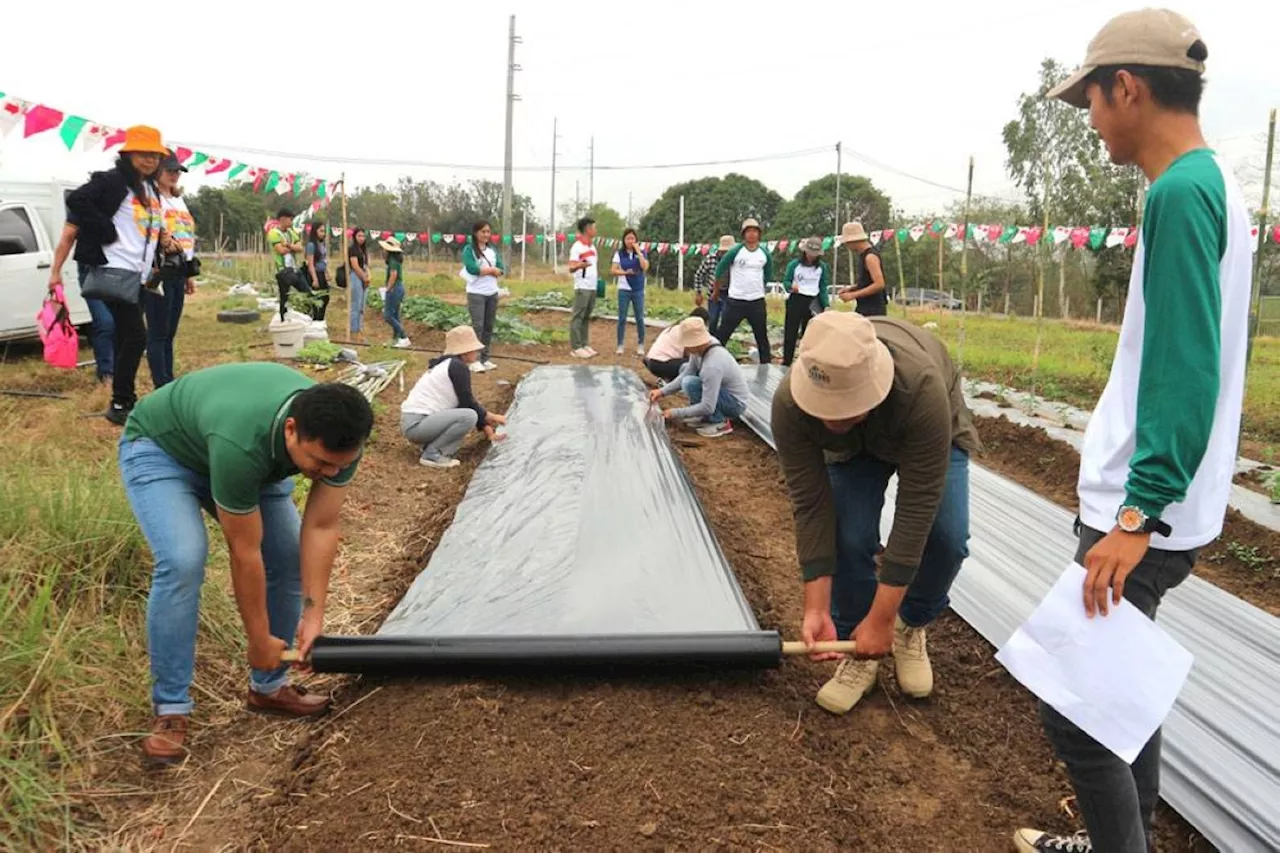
1099 320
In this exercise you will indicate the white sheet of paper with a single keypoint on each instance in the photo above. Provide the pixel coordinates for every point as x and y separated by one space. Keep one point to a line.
1115 676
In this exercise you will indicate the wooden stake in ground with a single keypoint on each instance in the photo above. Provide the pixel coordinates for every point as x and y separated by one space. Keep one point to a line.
1255 299
1039 304
902 277
346 258
964 266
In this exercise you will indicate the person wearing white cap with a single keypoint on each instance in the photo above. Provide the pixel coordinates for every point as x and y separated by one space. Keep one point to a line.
711 379
867 399
743 273
806 280
441 409
1159 454
704 281
870 295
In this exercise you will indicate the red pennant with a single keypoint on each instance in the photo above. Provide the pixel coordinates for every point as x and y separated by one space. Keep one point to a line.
459 238
1131 239
560 238
424 237
39 119
385 235
495 239
783 244
1079 236
183 154
704 248
11 108
113 140
258 178
216 166
1275 234
995 232
1034 235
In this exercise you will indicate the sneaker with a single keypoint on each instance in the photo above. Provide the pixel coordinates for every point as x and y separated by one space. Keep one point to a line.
911 661
437 460
402 343
476 367
165 744
853 680
489 365
1035 841
621 349
117 414
640 351
580 352
288 701
693 423
716 430
591 353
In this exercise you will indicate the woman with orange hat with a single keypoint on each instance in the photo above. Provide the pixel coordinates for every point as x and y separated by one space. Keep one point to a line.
115 223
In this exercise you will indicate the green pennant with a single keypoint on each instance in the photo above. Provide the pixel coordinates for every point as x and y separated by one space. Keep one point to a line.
827 242
936 227
273 181
692 250
541 238
199 158
236 170
903 234
968 232
1097 236
70 130
1010 231
322 189
435 238
506 239
297 185
399 235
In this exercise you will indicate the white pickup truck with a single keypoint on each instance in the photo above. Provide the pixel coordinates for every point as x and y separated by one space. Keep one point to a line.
31 218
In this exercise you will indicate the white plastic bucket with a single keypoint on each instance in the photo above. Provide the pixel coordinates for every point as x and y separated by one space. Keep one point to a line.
316 331
288 338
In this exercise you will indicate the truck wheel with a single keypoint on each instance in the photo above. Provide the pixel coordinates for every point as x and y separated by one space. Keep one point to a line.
239 315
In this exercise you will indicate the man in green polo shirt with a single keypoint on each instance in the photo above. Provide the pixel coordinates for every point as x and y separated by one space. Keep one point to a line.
286 248
229 440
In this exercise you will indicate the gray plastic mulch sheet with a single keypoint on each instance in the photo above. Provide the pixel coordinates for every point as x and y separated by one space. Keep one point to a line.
1221 752
582 523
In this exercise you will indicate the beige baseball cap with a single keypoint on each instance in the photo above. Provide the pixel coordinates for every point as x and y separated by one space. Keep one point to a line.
1157 37
750 223
842 370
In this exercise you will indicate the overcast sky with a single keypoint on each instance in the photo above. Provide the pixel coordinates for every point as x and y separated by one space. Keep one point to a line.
916 87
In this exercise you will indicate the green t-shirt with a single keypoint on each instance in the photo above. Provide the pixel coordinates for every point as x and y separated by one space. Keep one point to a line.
227 423
395 264
289 259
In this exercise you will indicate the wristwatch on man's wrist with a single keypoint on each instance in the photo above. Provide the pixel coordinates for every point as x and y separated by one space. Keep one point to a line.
1131 519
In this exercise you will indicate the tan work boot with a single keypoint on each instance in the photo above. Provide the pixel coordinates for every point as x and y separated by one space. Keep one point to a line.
288 701
853 680
911 660
164 745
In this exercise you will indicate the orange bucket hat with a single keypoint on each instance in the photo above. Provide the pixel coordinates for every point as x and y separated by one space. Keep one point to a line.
141 139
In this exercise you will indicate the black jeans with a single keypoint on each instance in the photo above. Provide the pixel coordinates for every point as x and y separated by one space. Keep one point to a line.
1117 799
667 370
320 286
287 279
130 342
484 312
799 310
163 314
753 311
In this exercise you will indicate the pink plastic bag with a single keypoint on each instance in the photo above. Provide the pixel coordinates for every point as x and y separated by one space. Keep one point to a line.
61 342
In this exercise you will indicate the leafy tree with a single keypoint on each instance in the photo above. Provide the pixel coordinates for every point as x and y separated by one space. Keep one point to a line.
812 212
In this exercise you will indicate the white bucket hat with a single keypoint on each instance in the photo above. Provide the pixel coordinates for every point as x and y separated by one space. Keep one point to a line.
461 340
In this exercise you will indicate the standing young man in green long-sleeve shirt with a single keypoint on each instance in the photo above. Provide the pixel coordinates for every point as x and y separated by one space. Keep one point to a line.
744 273
1159 454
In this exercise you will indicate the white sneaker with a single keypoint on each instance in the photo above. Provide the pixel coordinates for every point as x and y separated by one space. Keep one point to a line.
716 430
489 365
402 343
1035 841
580 352
475 367
590 352
911 660
853 680
693 423
438 461
640 351
620 350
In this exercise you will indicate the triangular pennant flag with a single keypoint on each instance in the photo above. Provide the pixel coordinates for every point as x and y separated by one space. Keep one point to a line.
1097 236
1020 236
1275 234
70 131
916 232
1010 232
1253 243
399 235
951 232
199 159
936 227
39 119
1061 234
519 239
273 181
183 154
335 231
409 236
1079 237
448 238
12 112
528 238
92 137
437 237
704 249
874 237
320 189
827 243
691 250
112 139
386 235
560 238
978 233
771 245
1034 235
1116 237
662 248
1132 239
540 238
995 232
297 181
424 237
258 177
783 245
216 165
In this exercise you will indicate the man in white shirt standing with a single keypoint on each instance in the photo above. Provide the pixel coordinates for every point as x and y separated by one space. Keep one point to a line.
1160 451
744 271
584 264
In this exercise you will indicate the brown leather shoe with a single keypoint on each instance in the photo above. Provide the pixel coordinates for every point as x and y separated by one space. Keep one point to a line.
288 701
164 746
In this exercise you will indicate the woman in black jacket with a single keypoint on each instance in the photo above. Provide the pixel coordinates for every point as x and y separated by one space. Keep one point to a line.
115 224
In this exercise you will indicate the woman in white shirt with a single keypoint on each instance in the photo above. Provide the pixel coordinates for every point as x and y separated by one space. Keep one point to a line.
630 265
178 268
481 268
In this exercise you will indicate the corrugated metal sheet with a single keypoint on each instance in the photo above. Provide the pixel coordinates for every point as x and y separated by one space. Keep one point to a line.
1221 768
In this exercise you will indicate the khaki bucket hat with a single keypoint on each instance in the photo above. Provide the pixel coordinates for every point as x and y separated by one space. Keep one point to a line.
1157 37
693 333
750 223
727 242
461 340
853 232
842 370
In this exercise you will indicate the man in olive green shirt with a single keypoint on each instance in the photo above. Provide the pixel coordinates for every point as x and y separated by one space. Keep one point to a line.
866 399
229 440
287 249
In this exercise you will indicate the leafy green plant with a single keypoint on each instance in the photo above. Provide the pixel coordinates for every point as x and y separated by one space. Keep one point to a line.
319 352
1249 555
305 303
438 314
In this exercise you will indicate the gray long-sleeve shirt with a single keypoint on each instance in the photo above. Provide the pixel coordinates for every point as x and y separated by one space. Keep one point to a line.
718 371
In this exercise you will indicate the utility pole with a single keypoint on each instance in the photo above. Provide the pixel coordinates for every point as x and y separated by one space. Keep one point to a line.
512 97
679 254
555 142
591 179
577 198
628 209
1255 301
964 264
346 256
835 255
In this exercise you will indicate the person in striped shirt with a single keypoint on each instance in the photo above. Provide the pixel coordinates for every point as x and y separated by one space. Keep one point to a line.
704 281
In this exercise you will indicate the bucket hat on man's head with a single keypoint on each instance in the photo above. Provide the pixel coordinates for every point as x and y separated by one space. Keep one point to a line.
842 369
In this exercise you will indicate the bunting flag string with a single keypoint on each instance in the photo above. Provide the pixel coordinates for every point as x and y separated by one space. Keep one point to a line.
85 135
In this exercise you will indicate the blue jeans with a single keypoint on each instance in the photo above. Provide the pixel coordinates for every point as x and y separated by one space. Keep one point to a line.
167 498
858 494
391 310
102 332
727 406
633 298
357 288
714 307
163 314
